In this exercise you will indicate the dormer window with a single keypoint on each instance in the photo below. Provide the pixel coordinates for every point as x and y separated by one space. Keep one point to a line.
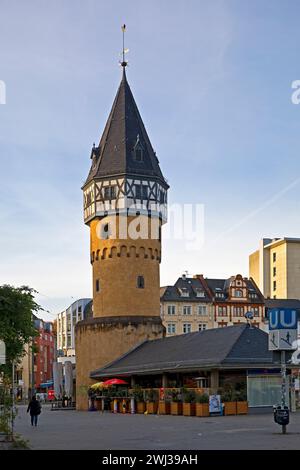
184 292
238 293
252 296
199 292
138 150
220 295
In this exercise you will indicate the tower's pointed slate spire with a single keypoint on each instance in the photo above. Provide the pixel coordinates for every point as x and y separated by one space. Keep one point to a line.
125 148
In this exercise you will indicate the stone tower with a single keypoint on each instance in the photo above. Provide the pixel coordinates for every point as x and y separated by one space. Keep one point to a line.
125 204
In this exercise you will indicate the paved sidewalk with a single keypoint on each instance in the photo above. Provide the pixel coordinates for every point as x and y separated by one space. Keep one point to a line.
94 430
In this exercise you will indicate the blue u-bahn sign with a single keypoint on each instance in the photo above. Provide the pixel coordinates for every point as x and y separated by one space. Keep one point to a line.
282 329
282 319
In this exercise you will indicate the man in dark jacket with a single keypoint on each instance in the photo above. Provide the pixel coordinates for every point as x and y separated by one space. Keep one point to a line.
35 409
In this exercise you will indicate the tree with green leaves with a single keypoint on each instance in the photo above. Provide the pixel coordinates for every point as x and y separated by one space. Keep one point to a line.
17 306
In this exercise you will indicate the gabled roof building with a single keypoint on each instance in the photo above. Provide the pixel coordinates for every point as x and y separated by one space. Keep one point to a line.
198 303
237 355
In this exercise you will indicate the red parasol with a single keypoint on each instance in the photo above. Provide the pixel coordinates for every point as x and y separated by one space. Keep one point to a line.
115 382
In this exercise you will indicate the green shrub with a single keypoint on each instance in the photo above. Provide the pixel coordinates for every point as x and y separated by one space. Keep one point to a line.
151 395
189 396
138 394
202 398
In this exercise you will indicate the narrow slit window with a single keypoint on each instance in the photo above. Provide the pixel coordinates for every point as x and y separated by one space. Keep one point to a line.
140 282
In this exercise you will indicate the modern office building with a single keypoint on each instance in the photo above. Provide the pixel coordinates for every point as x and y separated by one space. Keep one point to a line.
66 321
275 267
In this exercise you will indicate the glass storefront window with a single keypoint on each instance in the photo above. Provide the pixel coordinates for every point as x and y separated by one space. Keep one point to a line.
264 390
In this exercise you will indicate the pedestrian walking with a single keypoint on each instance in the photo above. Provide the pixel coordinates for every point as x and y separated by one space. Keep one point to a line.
35 409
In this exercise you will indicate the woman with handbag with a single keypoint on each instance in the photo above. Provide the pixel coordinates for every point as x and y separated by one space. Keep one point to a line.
35 409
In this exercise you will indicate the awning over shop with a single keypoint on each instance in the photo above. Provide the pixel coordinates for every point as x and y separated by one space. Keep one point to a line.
47 384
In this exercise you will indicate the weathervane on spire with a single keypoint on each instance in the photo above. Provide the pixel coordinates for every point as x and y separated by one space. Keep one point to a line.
124 51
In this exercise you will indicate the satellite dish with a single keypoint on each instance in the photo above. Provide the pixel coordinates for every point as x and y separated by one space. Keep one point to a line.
249 315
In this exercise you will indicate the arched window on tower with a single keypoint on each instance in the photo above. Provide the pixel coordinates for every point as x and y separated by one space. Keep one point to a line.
140 282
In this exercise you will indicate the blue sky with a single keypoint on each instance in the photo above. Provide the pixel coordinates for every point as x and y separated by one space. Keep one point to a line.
212 80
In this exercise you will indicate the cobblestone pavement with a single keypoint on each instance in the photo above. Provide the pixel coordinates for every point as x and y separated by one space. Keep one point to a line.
94 430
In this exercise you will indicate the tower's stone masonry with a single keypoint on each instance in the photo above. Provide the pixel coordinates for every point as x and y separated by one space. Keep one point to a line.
101 340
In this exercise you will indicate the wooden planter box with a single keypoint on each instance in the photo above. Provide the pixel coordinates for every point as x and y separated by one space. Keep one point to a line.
164 408
176 408
98 405
202 409
122 408
242 407
152 407
141 407
189 409
230 408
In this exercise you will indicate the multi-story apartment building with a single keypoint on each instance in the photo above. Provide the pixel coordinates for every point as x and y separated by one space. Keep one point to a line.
233 298
198 303
187 306
66 321
44 357
35 367
275 267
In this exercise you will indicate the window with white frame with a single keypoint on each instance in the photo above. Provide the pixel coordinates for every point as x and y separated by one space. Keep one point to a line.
255 311
238 293
171 309
187 310
184 292
171 328
202 310
202 326
199 292
187 327
222 311
238 311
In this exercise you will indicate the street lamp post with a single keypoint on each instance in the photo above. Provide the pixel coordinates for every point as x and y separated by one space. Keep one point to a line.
283 386
13 400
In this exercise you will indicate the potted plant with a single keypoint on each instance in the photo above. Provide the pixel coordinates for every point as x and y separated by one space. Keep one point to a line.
92 399
202 404
229 401
139 398
164 405
112 403
189 406
151 401
176 403
241 402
